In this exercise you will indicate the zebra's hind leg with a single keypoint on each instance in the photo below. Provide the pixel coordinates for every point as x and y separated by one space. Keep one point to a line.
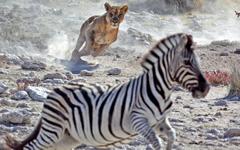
50 133
67 143
141 126
166 128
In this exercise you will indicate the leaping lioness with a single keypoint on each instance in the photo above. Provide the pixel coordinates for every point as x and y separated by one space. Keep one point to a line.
98 32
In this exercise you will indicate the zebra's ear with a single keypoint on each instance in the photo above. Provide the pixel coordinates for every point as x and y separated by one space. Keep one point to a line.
190 44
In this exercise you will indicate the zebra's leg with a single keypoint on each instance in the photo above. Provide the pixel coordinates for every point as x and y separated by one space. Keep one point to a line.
142 127
166 128
49 135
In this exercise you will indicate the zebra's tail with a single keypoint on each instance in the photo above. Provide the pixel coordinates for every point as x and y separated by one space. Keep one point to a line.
12 143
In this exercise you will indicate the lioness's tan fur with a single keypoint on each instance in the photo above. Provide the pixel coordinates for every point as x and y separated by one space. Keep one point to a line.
98 32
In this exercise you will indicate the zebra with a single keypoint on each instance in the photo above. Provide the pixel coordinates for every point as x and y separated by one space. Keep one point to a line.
108 117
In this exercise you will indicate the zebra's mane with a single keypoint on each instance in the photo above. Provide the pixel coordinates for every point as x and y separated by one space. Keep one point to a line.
164 46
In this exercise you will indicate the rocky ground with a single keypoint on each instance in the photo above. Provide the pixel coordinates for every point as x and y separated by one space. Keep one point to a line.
200 123
36 36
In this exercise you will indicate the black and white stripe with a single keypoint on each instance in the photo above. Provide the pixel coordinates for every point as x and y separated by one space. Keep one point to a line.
111 116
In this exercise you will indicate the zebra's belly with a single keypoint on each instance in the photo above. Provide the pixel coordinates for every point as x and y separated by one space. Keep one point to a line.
102 132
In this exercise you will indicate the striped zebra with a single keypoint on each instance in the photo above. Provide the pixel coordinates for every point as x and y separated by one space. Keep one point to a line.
106 117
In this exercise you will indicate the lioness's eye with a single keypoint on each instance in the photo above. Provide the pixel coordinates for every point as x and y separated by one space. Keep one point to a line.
120 15
110 14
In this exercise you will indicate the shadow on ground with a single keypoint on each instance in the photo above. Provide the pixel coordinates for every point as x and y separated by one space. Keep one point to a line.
77 67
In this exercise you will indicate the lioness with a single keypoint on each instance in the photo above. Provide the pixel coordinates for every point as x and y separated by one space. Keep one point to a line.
98 32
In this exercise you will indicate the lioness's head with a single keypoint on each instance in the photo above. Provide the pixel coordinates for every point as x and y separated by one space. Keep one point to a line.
115 14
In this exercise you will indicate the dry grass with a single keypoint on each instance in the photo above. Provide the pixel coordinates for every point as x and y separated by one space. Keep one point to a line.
235 81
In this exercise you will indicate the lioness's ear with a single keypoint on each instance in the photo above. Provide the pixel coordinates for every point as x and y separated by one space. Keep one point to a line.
124 8
107 6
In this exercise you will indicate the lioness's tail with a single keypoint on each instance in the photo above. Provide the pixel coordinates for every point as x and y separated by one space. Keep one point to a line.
13 144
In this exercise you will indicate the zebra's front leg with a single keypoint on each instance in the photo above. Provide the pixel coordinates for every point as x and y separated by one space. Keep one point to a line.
142 127
166 128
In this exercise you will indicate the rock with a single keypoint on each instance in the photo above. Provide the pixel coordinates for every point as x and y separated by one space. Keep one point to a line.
218 114
37 93
13 59
223 54
54 81
232 133
235 140
178 97
212 49
23 105
143 37
56 75
176 120
23 83
190 129
86 73
200 119
237 51
211 137
220 103
114 71
3 71
77 80
20 95
33 65
16 117
237 121
4 102
69 75
57 12
3 88
215 132
221 43
188 106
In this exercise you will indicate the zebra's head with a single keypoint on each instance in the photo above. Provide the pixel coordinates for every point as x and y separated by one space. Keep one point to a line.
185 68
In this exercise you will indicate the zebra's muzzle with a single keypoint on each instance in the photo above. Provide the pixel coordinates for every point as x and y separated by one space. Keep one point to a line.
201 91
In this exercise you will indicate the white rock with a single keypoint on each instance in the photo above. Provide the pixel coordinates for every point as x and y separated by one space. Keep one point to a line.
86 73
20 95
37 93
215 132
3 71
69 75
13 59
5 102
16 117
210 136
3 88
54 81
33 65
114 71
220 103
56 75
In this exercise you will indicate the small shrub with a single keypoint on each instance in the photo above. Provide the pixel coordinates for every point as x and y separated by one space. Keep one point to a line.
218 77
235 82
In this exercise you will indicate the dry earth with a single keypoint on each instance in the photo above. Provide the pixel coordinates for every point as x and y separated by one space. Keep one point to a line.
200 123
